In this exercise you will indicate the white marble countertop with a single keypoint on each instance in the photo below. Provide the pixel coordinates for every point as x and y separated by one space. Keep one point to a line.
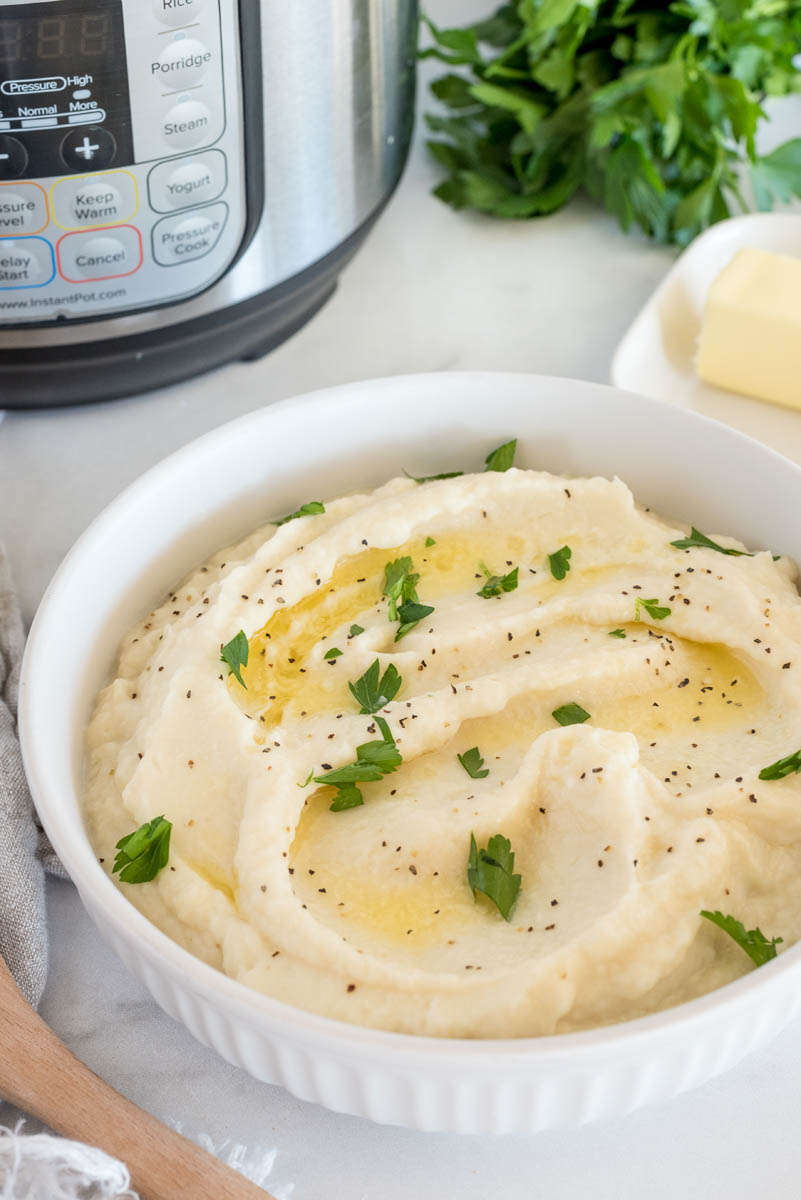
430 291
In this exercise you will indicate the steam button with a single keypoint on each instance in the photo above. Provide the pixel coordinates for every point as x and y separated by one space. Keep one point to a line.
177 12
187 124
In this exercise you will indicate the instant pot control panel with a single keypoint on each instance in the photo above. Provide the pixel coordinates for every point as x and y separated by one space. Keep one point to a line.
122 180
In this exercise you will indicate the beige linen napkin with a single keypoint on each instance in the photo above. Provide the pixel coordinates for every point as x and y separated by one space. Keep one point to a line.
23 933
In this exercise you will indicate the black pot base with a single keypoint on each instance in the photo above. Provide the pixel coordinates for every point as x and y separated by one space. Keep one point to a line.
87 372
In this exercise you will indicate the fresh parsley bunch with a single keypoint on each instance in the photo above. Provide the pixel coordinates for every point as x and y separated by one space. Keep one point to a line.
650 108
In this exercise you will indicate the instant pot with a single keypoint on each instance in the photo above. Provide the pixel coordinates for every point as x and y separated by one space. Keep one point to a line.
181 181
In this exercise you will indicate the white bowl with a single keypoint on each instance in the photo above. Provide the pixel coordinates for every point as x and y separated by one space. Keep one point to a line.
325 444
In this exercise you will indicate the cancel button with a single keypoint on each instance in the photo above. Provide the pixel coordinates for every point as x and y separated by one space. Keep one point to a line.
104 255
188 235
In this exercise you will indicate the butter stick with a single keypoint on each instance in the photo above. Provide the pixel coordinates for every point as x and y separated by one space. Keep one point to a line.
751 333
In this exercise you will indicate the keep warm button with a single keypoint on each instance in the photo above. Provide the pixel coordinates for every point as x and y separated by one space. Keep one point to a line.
188 236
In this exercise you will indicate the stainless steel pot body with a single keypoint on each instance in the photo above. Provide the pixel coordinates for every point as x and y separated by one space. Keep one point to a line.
320 99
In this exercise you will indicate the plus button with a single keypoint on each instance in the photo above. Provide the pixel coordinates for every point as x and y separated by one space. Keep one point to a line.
93 147
86 149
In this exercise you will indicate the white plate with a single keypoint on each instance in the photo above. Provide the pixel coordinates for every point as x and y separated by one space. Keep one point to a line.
657 354
358 435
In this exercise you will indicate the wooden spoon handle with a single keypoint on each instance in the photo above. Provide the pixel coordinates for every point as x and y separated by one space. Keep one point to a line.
41 1076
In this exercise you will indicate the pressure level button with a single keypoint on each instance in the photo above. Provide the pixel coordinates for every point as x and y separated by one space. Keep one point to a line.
23 208
177 12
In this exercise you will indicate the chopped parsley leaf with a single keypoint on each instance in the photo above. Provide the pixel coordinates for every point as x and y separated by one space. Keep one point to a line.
145 852
570 714
373 693
499 459
235 655
753 941
785 766
618 633
473 763
430 542
400 588
699 539
348 796
497 583
398 578
409 615
310 509
374 760
490 871
559 562
652 607
502 458
355 630
334 652
433 478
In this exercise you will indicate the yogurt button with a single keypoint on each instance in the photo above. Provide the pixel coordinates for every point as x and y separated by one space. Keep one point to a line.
96 202
181 64
191 183
177 12
187 124
21 266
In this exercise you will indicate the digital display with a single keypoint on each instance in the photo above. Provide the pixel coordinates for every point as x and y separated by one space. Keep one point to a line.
64 86
85 35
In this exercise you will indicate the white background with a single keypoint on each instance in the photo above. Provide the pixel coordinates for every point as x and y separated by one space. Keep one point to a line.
431 290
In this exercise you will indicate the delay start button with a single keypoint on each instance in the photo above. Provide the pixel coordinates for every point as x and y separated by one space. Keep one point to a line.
25 262
107 254
188 236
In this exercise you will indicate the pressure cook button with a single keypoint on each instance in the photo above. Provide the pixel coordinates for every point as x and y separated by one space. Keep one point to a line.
25 262
86 148
103 255
177 12
190 236
181 64
23 208
13 157
187 124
